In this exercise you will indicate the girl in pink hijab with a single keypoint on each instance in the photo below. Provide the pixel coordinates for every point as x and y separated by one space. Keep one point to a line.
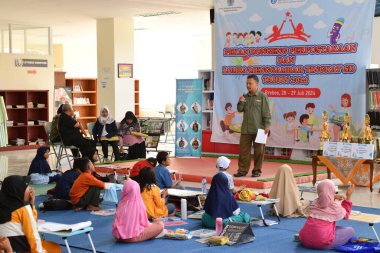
320 231
131 222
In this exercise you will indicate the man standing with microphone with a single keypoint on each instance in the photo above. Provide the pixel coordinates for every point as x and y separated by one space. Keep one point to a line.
255 107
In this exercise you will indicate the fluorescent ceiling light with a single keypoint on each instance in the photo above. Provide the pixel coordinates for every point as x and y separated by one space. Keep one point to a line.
160 13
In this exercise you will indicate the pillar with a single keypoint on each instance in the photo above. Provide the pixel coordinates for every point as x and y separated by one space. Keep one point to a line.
115 38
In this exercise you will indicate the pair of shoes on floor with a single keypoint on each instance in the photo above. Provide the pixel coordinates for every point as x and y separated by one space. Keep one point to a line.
256 173
239 174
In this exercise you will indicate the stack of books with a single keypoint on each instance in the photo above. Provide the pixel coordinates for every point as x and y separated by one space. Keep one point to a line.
40 105
41 122
9 122
30 105
18 142
20 106
30 122
39 141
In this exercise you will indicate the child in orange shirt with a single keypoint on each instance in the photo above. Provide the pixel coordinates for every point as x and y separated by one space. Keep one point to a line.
86 189
155 204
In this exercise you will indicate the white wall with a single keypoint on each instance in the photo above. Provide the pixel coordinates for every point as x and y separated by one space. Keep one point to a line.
376 42
79 48
173 55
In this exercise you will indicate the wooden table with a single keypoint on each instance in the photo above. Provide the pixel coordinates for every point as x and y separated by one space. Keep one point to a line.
316 159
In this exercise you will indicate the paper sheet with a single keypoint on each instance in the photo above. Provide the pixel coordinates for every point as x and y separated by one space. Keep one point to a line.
261 137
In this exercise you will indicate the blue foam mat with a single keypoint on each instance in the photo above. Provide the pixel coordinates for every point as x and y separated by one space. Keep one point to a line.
277 238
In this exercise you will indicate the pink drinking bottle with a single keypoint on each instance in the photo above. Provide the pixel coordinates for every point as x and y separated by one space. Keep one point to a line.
218 226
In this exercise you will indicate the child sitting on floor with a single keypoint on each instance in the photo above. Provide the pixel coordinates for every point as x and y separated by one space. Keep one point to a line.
220 203
320 230
64 185
223 163
285 189
39 169
86 189
155 204
150 162
164 180
18 217
131 222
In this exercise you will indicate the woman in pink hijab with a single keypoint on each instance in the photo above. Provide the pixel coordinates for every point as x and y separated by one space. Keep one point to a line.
320 231
131 222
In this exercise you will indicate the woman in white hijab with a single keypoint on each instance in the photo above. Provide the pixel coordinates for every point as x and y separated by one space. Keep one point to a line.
285 189
105 132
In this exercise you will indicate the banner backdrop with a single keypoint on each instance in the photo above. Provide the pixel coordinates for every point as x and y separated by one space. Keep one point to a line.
189 117
310 56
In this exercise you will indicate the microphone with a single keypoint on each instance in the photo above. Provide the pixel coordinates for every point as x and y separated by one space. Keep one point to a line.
245 96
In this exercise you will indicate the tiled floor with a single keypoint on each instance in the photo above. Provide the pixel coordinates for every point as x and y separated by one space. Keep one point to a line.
17 162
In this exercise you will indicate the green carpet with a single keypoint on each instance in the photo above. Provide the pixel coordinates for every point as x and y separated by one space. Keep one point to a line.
268 179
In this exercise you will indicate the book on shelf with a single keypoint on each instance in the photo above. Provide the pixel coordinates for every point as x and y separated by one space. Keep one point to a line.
41 105
77 87
18 142
39 141
30 122
30 105
20 106
41 122
8 106
21 124
76 114
206 84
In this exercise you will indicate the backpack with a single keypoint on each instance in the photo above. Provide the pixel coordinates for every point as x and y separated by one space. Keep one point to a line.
56 205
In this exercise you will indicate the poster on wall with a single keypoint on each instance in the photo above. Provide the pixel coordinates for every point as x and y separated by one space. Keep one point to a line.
188 117
309 55
62 95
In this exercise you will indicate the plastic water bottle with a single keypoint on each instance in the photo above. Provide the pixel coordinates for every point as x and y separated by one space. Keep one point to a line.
204 185
183 209
116 175
218 226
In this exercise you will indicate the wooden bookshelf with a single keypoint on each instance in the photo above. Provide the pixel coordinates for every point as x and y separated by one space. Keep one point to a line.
85 98
137 98
28 99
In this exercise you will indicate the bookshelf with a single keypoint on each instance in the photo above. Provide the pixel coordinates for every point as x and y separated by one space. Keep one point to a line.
137 98
27 111
85 98
207 98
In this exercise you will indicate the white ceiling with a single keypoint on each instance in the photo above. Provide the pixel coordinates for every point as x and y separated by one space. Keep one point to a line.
58 12
77 17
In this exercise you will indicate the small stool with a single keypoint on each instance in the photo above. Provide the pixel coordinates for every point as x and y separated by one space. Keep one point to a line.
259 204
65 235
